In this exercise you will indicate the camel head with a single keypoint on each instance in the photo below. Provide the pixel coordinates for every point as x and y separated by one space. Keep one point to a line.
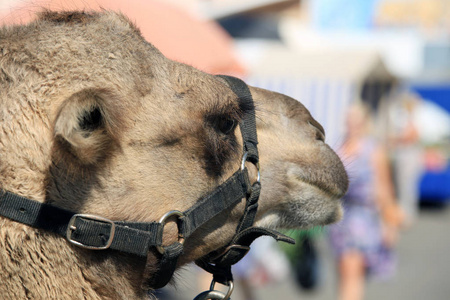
96 120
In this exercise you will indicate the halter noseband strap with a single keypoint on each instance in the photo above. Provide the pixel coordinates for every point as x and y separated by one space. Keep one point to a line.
97 233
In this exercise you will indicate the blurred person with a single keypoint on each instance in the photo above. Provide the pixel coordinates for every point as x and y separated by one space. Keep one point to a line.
363 241
407 155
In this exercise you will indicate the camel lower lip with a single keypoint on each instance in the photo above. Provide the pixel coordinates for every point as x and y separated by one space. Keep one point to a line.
333 194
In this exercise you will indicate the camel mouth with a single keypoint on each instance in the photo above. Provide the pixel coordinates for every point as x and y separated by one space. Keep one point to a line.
333 191
333 184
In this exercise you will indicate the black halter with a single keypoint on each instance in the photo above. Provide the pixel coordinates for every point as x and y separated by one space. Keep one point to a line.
98 233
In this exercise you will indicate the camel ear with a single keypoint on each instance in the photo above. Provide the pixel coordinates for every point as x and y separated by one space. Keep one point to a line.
83 126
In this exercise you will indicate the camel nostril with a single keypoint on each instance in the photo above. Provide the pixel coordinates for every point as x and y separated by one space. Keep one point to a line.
320 136
320 132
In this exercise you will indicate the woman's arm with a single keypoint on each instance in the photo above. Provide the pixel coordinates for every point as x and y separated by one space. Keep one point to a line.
391 214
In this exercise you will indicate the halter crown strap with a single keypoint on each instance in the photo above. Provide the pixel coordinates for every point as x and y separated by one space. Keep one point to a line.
248 123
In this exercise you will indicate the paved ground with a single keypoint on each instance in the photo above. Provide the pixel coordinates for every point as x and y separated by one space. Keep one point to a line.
423 273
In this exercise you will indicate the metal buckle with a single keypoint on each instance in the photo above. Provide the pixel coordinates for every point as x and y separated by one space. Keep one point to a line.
244 159
163 220
71 228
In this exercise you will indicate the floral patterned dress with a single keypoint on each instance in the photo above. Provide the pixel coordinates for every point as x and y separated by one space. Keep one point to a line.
361 228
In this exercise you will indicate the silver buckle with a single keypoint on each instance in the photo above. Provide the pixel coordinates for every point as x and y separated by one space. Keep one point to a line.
71 228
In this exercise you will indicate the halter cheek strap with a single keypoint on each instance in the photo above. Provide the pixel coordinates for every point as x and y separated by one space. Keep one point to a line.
98 233
219 263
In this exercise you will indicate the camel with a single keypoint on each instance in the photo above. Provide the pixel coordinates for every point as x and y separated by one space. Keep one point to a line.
95 120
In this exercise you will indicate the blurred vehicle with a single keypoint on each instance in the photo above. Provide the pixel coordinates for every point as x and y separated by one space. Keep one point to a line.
435 182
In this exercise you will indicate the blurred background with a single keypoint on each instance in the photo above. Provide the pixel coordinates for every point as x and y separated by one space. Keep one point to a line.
393 56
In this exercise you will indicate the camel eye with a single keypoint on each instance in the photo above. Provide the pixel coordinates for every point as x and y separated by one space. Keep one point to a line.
91 120
226 125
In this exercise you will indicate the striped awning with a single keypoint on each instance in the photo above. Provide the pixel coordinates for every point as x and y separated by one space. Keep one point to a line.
326 99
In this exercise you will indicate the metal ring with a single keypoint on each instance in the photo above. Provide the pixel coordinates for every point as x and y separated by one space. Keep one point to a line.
230 288
244 159
210 295
162 221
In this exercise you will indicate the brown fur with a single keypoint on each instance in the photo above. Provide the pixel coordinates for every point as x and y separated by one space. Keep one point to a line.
96 120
